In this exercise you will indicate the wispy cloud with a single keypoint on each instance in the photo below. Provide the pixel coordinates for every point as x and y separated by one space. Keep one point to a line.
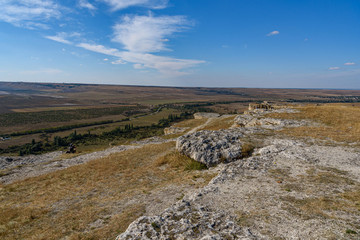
166 65
121 4
60 37
142 36
100 49
147 33
119 61
349 64
86 4
334 68
273 33
63 37
27 13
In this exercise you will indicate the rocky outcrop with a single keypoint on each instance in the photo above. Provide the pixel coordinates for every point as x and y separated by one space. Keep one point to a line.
268 123
258 119
214 147
187 220
202 115
211 147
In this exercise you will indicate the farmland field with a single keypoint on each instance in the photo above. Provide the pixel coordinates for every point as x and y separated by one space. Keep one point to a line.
41 112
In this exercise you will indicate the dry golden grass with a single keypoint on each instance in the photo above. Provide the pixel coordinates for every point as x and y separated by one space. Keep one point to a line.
179 161
339 122
69 203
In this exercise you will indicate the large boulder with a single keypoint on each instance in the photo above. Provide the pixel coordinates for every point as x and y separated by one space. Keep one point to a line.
211 147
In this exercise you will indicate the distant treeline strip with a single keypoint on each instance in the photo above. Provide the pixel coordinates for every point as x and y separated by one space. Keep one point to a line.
63 128
14 119
126 132
332 100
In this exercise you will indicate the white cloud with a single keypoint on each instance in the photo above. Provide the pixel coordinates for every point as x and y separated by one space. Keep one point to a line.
121 4
141 36
63 37
106 59
60 37
147 33
273 33
86 4
165 65
334 68
26 13
139 66
100 49
349 64
119 61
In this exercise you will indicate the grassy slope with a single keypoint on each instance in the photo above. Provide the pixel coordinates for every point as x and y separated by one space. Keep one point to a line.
72 202
339 122
75 198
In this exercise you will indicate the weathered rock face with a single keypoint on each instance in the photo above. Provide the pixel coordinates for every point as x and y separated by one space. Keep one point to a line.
256 119
211 147
186 220
202 115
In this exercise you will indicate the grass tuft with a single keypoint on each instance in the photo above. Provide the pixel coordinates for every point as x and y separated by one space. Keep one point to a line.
180 161
247 149
349 231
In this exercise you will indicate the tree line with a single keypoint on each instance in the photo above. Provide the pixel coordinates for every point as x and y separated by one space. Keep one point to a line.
126 132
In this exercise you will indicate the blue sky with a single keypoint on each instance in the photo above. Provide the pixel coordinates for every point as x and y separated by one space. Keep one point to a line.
214 43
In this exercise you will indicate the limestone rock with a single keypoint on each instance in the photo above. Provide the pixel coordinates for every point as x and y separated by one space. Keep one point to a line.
211 147
254 120
186 220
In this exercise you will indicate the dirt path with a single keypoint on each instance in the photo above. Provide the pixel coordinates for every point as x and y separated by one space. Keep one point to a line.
208 122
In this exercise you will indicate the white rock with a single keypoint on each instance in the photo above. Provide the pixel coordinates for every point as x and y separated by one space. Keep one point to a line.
211 147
